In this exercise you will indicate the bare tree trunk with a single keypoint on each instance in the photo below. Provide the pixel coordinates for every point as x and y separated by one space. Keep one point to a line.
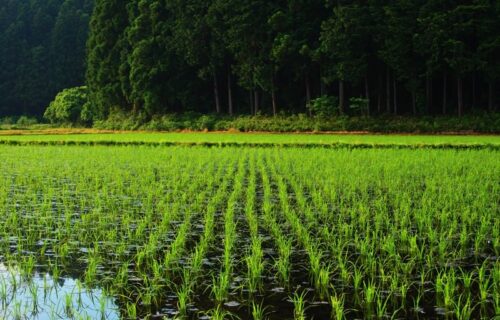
474 93
273 98
321 84
230 93
428 94
308 94
216 94
414 101
341 97
388 91
308 90
459 96
251 101
367 95
395 95
491 106
379 94
256 101
445 80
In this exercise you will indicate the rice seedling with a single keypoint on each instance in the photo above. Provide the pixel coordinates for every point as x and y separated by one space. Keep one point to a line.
131 310
463 309
68 305
382 305
220 314
299 308
337 304
183 294
188 227
258 311
220 286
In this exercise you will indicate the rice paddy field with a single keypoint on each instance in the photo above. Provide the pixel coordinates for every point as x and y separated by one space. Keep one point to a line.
273 231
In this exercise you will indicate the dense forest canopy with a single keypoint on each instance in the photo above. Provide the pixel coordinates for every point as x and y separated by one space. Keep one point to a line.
42 51
253 56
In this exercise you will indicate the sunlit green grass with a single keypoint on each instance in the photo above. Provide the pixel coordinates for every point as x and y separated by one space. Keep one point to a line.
259 138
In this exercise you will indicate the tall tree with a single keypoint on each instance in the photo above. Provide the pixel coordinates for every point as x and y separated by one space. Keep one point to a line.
104 46
344 40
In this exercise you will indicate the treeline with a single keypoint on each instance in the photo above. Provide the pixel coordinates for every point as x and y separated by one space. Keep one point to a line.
257 56
42 50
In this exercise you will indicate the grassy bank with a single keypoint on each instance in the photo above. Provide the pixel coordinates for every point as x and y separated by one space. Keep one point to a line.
92 137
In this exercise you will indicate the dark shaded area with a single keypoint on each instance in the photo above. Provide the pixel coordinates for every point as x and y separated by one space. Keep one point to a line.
250 57
42 51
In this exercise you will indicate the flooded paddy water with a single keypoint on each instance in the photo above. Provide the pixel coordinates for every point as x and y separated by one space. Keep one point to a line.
130 232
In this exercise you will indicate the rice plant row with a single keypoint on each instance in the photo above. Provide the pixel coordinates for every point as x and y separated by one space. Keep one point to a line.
249 233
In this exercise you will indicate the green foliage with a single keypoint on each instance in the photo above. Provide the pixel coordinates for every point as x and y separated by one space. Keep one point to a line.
325 106
301 123
25 121
42 51
252 57
69 106
359 105
155 57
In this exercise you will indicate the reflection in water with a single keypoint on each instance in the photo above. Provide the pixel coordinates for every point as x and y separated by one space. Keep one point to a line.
41 297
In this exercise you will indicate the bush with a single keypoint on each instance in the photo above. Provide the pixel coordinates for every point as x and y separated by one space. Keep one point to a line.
359 105
324 106
120 120
25 121
7 121
68 107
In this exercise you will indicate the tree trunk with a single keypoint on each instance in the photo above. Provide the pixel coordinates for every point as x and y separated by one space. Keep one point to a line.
251 95
491 106
230 93
395 96
308 90
256 101
414 101
379 94
341 97
308 94
321 84
273 98
474 95
216 94
445 80
367 95
388 91
427 93
459 96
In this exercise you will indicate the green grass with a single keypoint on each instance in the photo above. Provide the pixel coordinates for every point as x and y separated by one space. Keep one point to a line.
280 232
257 139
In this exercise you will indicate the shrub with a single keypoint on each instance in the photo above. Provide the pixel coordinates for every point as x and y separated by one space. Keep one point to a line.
358 105
25 121
68 105
7 121
324 106
121 120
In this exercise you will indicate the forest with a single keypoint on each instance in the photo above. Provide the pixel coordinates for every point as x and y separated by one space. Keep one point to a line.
150 57
42 51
